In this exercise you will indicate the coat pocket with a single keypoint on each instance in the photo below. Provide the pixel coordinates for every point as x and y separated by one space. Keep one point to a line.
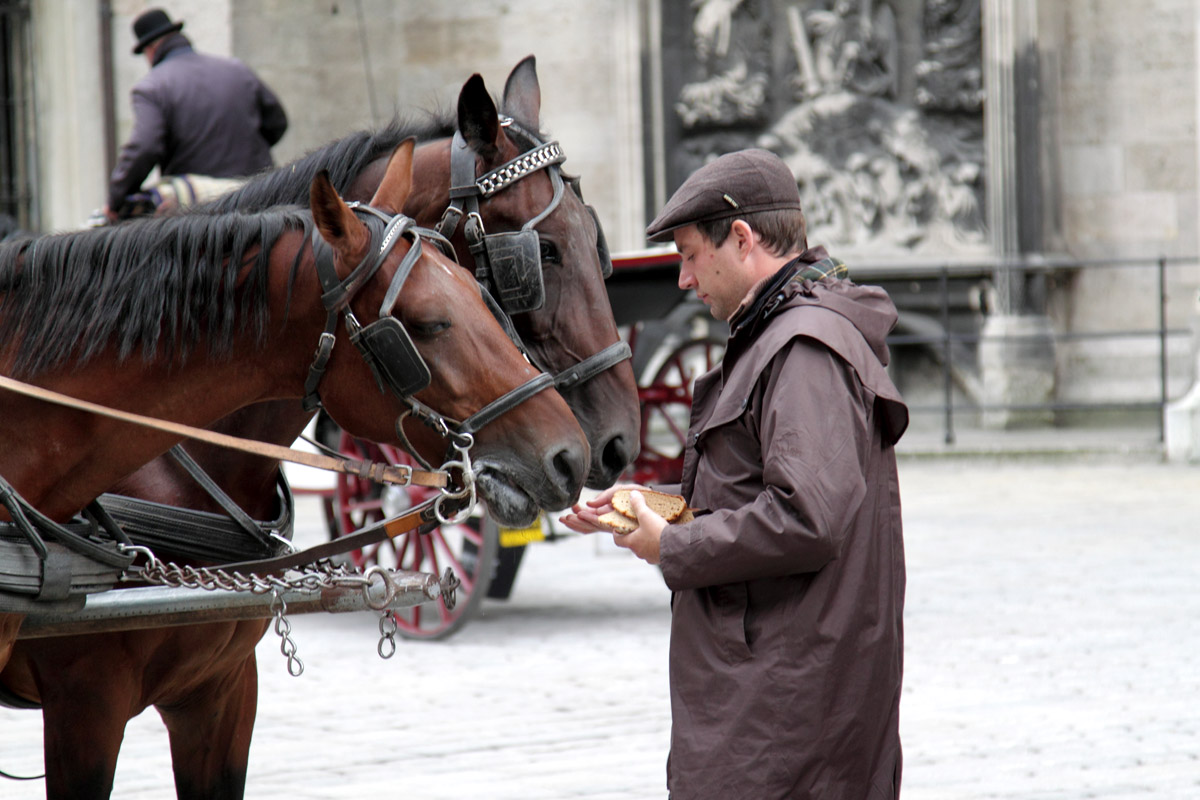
728 603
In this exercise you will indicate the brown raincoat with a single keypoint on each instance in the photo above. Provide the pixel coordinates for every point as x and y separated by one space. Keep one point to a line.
786 634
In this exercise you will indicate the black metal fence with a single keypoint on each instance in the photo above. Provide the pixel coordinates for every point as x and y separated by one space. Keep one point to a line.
937 280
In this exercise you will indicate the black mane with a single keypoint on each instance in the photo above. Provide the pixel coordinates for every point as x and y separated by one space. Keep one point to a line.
161 285
344 159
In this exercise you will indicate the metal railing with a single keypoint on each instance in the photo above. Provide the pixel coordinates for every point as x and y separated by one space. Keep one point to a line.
943 343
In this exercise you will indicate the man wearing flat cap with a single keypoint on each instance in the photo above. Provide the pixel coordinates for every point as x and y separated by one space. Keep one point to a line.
193 114
788 585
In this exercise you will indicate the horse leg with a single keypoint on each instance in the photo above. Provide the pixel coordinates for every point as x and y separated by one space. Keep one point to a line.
210 733
83 725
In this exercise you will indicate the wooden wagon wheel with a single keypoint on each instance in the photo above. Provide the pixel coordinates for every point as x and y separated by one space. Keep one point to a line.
666 408
468 548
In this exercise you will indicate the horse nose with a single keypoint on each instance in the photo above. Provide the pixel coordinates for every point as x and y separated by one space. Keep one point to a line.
567 468
616 454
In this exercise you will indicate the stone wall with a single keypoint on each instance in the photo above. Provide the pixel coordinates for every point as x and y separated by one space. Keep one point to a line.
341 66
345 65
1118 95
1126 128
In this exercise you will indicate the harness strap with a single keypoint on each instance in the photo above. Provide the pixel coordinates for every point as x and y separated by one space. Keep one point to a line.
506 402
316 370
380 473
235 512
33 523
421 518
592 366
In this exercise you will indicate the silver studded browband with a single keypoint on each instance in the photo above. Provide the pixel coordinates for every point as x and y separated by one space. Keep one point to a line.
525 164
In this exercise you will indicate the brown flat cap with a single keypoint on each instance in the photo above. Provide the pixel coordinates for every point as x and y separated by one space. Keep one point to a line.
734 184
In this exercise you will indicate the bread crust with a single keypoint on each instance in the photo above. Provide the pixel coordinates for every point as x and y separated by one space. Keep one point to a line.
622 519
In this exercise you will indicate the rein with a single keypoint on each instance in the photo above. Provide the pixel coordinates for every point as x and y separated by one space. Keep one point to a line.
381 473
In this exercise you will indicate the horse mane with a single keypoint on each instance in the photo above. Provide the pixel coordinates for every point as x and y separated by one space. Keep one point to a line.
344 159
164 285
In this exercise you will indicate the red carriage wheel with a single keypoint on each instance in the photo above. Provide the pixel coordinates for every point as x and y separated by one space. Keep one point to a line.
469 547
666 409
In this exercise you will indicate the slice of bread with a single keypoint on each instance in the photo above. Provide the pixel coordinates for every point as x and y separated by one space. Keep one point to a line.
618 522
667 506
670 507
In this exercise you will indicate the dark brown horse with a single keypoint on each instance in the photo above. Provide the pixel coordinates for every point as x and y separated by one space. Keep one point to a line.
537 450
575 320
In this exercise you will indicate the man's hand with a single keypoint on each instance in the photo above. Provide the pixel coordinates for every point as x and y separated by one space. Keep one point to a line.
643 541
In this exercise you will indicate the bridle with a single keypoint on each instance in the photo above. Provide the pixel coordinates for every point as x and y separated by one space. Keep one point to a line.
385 344
508 264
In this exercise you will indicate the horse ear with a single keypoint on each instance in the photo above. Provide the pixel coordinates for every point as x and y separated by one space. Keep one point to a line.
397 181
335 221
478 120
523 94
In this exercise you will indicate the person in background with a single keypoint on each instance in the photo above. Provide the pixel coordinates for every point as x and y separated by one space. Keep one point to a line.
193 114
786 648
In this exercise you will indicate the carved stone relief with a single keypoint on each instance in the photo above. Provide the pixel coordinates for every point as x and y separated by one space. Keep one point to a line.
876 105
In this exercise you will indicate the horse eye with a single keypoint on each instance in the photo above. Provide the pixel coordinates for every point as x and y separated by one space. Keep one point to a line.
428 329
549 252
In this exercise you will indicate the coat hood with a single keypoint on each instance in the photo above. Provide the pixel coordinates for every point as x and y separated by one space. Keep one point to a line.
808 289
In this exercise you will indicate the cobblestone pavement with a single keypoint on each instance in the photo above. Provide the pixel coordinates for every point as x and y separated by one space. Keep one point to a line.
1053 634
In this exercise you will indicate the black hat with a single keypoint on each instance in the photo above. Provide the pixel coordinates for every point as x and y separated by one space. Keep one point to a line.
734 184
152 25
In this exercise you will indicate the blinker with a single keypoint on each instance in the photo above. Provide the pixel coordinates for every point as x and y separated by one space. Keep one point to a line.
389 351
516 270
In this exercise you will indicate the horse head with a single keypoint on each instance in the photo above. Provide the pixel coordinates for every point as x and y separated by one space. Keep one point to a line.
531 455
537 229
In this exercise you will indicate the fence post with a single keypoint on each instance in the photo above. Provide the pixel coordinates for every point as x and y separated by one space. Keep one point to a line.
1162 348
947 357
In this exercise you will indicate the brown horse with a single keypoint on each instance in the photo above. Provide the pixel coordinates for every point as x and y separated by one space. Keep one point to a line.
538 445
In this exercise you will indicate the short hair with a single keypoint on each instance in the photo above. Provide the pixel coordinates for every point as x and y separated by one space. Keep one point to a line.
781 231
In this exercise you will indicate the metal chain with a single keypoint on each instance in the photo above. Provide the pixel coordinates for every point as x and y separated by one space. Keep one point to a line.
283 629
387 635
323 574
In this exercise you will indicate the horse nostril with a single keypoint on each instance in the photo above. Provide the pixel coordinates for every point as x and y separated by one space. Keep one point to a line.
617 454
569 470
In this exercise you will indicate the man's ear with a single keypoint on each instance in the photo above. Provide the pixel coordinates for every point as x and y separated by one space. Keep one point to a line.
743 237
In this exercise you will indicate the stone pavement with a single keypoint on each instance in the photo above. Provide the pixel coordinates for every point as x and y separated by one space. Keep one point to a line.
1053 633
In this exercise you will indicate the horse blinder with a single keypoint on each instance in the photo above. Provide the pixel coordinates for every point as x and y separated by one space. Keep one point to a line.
516 267
393 358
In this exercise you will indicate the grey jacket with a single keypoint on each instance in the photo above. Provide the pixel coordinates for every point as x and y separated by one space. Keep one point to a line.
197 114
786 632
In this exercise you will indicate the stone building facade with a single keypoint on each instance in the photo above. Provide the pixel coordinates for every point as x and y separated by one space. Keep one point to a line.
995 135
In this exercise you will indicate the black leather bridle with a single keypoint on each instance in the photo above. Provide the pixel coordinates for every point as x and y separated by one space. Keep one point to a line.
508 264
384 344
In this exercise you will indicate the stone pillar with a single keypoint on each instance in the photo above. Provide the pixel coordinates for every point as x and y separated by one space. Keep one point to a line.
1016 351
68 113
1181 419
